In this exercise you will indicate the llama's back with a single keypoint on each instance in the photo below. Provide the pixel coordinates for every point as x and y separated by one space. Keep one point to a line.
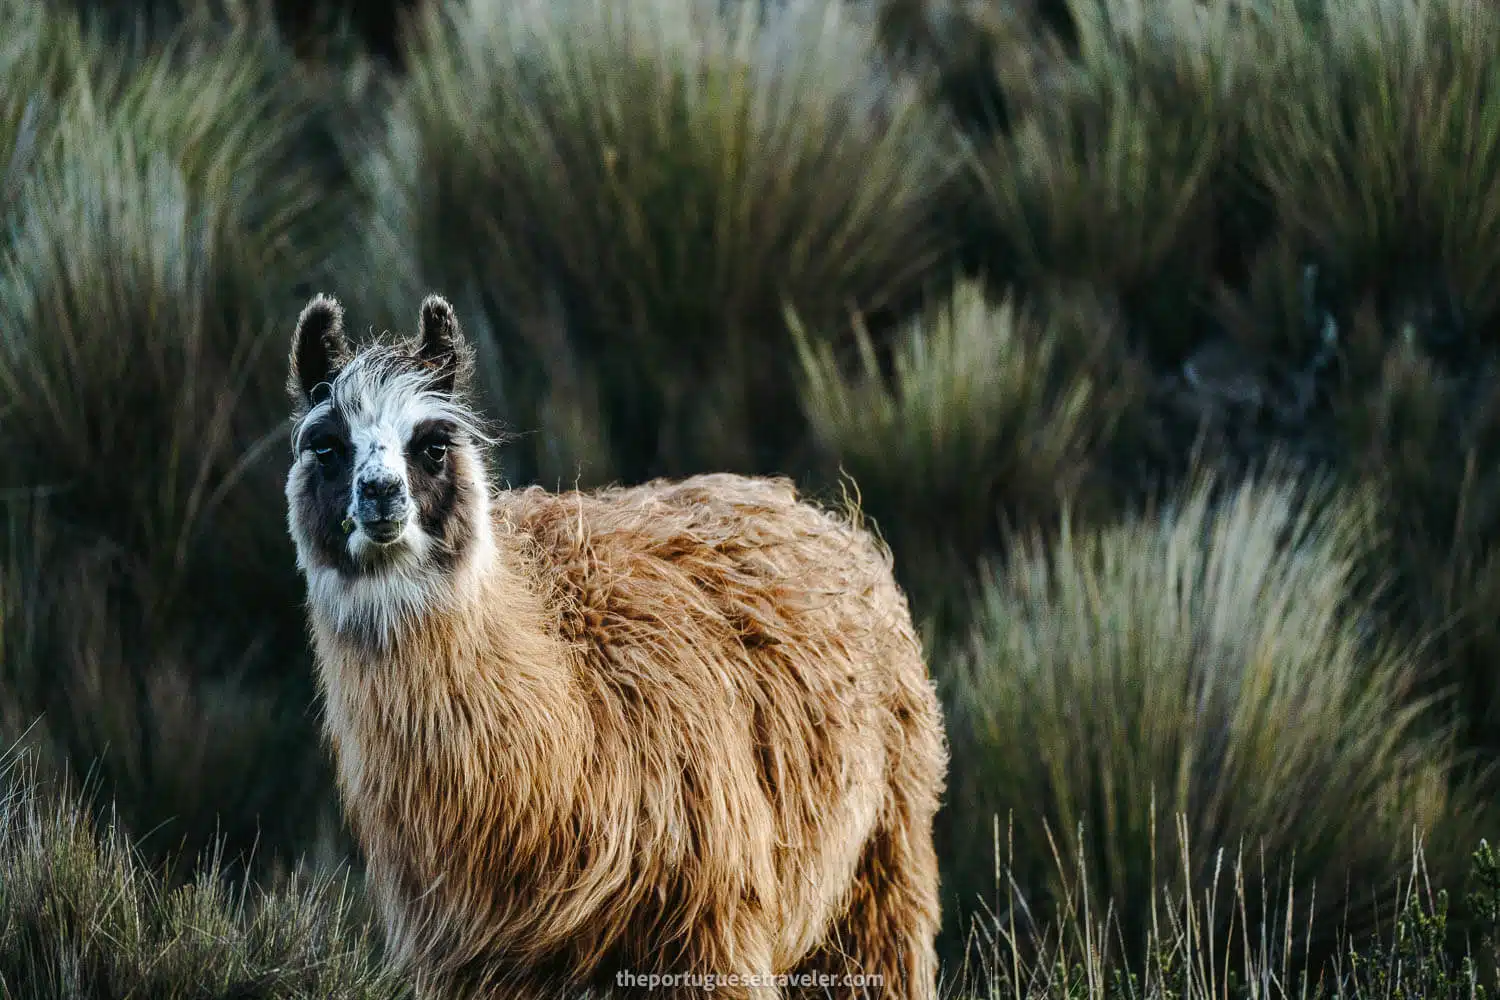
742 557
724 628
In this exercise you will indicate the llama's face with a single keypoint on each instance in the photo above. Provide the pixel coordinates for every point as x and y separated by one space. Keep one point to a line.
387 490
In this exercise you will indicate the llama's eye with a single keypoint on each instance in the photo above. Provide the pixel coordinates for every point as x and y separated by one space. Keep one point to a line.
325 450
435 452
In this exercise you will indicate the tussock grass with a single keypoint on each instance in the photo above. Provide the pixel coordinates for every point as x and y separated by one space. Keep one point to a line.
1378 139
1210 664
152 251
989 417
42 53
645 187
1116 177
166 211
119 376
82 915
1418 429
42 56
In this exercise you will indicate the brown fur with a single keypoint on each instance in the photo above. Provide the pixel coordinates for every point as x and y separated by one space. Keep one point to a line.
680 727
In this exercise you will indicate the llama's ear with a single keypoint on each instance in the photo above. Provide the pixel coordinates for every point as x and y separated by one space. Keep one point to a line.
441 343
319 348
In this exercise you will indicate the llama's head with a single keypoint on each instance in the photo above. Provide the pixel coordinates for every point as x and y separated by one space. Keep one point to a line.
388 494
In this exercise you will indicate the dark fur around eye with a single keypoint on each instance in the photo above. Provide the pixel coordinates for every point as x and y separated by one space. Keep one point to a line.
323 493
327 450
441 487
327 442
430 444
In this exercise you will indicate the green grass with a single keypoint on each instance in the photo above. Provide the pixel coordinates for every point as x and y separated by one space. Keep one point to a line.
583 180
992 416
83 916
1209 662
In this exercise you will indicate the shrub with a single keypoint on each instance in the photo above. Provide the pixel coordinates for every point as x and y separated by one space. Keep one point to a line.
80 915
1208 664
623 198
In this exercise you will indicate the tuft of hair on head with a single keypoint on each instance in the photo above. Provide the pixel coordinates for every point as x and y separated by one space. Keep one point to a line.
319 349
442 346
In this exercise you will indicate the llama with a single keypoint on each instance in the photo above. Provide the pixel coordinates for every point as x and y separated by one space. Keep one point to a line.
656 739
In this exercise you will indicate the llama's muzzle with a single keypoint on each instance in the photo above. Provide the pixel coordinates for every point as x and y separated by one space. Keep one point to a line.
381 507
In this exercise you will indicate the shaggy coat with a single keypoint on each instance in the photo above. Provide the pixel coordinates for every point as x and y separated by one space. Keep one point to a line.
675 728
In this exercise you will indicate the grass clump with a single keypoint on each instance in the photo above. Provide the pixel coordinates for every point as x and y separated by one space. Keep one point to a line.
1115 179
988 418
1417 428
1377 140
1209 664
81 915
148 263
639 190
1374 136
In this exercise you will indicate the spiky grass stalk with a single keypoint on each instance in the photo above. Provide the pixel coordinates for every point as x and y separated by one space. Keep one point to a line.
1077 952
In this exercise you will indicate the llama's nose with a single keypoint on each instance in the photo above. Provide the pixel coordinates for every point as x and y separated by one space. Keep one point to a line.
379 488
381 508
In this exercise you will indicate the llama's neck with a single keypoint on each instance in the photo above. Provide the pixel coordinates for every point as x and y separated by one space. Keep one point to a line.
476 688
378 613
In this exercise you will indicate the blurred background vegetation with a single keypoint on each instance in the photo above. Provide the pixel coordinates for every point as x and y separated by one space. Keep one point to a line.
1157 336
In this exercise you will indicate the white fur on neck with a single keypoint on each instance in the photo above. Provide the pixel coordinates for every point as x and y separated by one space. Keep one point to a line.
384 604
